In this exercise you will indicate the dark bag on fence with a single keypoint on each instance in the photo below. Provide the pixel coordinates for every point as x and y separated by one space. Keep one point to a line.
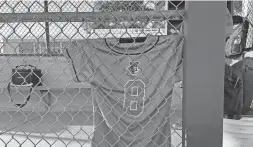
233 94
233 48
245 68
25 75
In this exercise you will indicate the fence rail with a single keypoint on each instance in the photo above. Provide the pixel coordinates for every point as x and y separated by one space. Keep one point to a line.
92 16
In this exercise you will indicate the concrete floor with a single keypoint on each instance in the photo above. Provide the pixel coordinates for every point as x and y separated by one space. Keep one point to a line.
65 125
73 128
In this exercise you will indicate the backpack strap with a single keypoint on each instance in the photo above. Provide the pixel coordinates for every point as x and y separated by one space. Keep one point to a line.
27 98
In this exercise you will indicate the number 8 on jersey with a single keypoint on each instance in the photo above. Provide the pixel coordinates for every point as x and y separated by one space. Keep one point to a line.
134 97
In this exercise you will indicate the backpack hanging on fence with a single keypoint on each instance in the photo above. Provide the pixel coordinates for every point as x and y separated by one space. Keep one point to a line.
233 47
236 41
30 77
245 68
233 94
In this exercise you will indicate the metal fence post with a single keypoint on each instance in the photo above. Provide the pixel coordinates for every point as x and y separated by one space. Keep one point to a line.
47 30
204 73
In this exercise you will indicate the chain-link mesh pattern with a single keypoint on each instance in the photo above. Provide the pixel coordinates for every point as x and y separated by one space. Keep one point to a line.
60 112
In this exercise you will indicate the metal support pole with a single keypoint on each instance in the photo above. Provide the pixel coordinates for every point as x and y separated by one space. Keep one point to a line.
204 72
47 29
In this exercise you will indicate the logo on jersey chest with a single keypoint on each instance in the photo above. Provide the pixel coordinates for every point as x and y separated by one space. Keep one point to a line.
133 67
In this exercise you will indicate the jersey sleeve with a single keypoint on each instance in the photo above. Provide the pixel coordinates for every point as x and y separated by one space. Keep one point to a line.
79 62
179 58
179 73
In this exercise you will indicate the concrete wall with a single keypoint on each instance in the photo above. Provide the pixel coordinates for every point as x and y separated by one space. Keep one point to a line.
9 48
56 71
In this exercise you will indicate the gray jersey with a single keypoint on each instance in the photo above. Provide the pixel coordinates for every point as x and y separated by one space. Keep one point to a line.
133 84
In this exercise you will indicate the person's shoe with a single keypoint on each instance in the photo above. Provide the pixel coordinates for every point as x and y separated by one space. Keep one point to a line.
235 117
228 116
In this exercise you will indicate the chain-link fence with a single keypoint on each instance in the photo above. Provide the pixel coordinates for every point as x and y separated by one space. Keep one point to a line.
111 73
